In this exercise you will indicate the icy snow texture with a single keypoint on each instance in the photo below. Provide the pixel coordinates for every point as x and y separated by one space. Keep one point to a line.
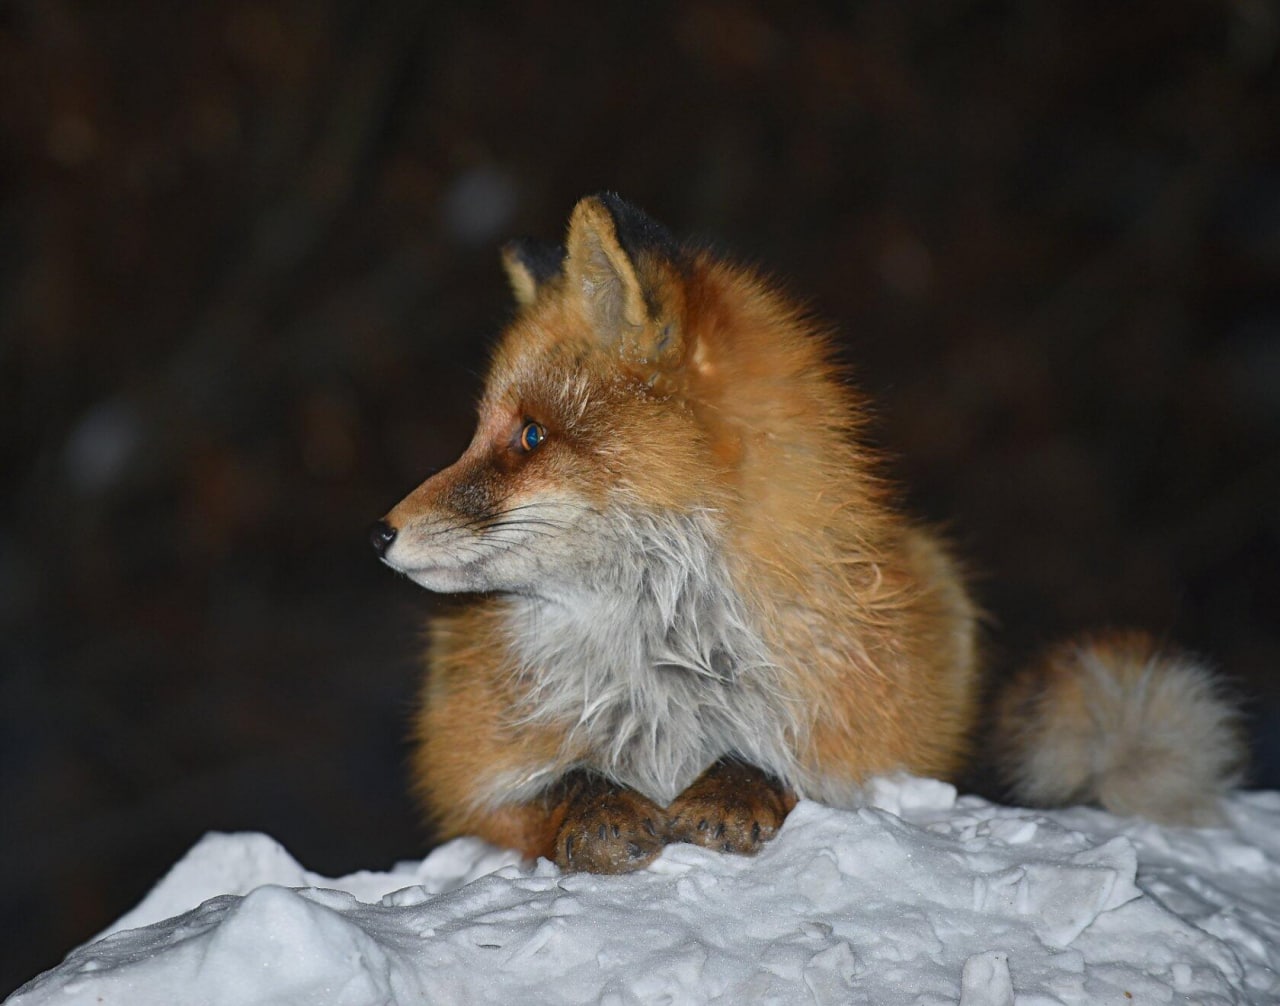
919 898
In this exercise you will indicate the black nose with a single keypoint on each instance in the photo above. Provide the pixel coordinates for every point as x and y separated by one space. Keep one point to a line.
381 535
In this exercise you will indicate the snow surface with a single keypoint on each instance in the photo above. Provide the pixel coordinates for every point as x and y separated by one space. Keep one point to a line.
918 898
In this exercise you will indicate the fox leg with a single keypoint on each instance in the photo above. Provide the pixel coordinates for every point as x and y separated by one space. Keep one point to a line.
606 828
731 807
478 769
514 783
530 827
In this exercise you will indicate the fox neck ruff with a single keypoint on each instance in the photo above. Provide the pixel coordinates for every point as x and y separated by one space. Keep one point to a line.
653 661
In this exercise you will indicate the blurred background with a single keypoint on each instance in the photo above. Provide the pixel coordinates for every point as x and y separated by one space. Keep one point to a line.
249 272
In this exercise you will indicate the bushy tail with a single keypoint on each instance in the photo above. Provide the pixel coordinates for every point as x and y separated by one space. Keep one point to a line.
1114 720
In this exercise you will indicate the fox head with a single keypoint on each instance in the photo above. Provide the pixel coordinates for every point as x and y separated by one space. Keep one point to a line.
590 411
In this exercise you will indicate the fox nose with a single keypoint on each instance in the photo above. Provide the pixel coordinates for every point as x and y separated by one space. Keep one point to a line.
381 535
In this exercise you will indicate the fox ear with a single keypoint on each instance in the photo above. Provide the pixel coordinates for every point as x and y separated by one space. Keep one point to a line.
623 264
531 263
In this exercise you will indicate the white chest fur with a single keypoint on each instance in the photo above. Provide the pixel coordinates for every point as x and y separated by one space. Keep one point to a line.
653 662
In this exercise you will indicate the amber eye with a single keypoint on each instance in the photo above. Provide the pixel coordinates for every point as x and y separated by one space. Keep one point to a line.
531 435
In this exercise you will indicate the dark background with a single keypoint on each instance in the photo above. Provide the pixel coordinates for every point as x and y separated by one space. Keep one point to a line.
248 272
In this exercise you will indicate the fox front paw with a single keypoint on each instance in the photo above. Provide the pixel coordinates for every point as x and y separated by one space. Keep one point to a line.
732 807
609 829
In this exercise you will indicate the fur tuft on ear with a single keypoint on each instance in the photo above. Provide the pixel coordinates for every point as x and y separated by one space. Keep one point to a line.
624 265
530 263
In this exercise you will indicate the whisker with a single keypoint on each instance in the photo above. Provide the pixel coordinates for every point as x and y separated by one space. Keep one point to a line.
526 524
518 533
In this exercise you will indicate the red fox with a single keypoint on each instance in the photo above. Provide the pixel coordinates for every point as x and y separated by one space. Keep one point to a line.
692 601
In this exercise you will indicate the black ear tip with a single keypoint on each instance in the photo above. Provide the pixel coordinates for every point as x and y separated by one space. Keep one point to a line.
614 203
543 260
637 231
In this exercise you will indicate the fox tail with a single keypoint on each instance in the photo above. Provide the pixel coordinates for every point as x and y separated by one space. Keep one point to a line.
1116 720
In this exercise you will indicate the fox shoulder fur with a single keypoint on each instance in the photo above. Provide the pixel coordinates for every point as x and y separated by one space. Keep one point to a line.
690 591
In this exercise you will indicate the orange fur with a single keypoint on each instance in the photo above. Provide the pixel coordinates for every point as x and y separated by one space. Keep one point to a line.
679 384
463 730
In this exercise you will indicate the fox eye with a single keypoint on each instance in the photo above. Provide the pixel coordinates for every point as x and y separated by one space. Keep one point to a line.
531 435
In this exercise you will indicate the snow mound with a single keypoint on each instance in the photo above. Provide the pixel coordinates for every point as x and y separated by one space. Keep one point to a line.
917 898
